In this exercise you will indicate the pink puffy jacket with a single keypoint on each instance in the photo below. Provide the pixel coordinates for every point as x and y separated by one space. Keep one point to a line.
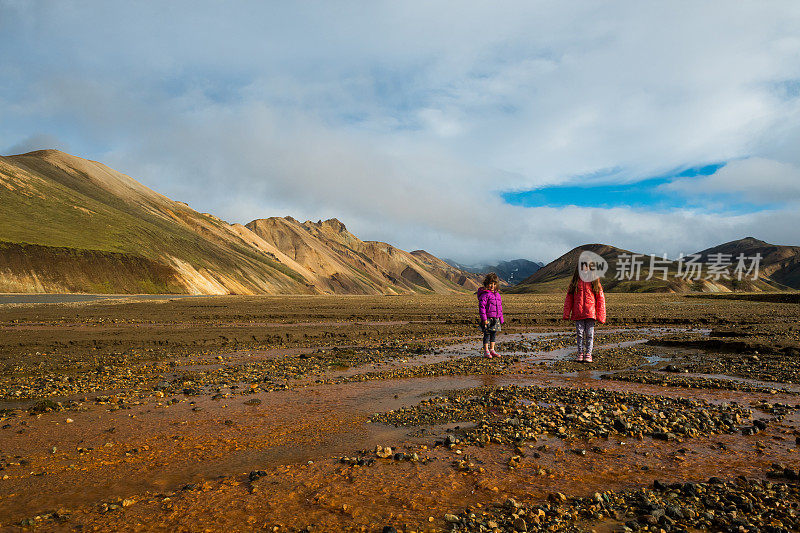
490 304
584 303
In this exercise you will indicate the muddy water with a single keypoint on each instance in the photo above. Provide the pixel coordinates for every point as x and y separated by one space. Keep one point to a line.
473 348
155 447
178 445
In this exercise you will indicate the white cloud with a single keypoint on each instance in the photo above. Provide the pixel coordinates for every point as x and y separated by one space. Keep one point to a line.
755 180
405 119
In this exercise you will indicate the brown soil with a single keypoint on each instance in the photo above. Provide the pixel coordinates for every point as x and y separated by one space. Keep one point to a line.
260 405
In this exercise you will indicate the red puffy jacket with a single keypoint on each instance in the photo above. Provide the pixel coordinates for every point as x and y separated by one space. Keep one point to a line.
584 303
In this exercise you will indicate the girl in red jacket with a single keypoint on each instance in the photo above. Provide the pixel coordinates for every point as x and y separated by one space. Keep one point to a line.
585 304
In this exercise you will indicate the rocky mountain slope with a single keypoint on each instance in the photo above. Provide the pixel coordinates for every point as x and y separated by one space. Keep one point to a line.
779 263
73 225
336 261
779 269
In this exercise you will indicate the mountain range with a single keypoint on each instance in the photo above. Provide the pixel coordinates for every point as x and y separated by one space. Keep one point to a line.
512 272
68 224
778 269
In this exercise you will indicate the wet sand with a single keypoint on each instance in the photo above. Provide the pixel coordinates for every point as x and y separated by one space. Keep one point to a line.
172 446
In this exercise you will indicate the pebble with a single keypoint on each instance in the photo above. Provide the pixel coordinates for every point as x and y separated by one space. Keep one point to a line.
717 505
514 414
609 358
690 382
383 452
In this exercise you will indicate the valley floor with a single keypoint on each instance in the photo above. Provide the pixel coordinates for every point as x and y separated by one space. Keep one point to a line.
312 413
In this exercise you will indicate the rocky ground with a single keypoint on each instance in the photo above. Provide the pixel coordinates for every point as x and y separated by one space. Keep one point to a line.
509 415
738 505
613 358
736 357
378 414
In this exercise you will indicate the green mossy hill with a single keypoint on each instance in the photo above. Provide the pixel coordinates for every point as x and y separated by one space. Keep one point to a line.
42 268
57 200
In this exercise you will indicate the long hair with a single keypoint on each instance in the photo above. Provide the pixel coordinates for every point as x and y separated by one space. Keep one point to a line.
490 278
596 287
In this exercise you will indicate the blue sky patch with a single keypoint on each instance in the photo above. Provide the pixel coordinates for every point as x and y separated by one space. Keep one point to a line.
643 194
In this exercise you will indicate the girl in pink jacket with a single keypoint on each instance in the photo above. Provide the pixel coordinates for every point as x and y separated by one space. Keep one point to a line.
585 304
490 310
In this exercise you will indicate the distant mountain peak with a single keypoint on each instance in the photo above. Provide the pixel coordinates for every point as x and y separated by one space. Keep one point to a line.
335 224
46 151
329 226
738 246
513 271
52 154
750 241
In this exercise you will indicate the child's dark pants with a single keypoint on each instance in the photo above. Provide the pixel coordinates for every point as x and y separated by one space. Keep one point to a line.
488 336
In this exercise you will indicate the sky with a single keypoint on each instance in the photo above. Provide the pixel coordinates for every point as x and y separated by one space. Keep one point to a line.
494 131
